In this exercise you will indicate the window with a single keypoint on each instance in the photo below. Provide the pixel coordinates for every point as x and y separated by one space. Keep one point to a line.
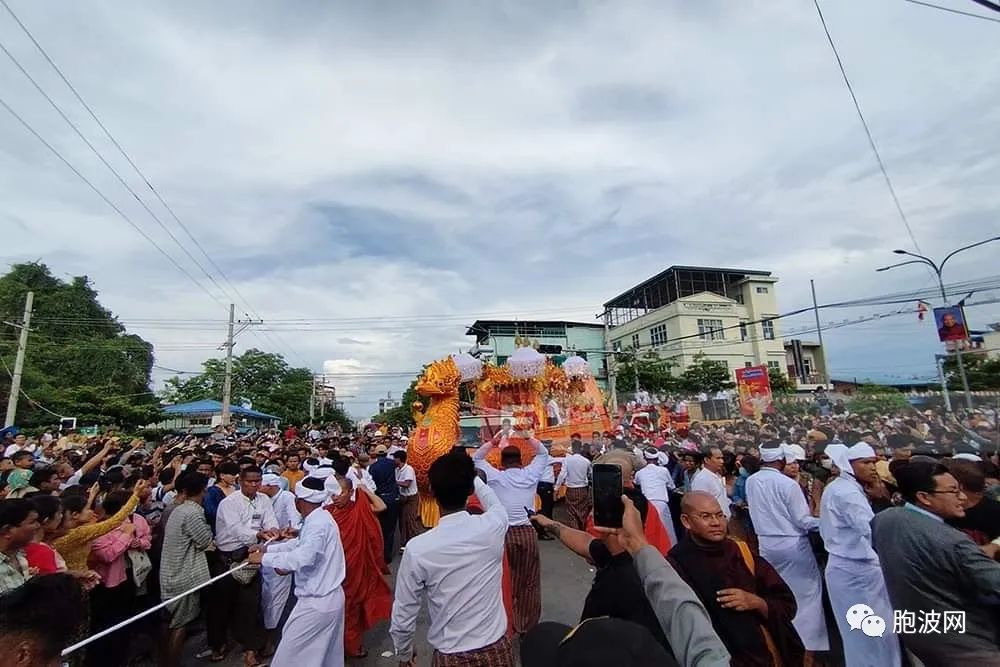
747 364
807 365
761 290
200 421
616 346
768 326
743 331
658 334
501 359
635 341
774 366
724 362
710 330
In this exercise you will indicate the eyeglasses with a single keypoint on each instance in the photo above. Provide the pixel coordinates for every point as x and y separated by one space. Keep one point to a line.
948 491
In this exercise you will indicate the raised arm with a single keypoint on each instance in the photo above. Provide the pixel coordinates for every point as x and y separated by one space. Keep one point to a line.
378 505
576 541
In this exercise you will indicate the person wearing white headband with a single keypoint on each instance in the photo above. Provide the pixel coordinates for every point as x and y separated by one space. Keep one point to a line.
656 484
853 572
314 632
781 516
274 588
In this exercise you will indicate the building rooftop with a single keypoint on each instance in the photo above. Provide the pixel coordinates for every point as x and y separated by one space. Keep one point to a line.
626 299
481 329
210 407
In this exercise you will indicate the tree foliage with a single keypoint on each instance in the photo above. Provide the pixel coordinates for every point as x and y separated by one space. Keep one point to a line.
780 383
706 375
80 361
655 374
982 372
871 399
262 379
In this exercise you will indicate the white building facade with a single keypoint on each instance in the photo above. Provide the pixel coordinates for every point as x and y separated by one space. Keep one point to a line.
728 315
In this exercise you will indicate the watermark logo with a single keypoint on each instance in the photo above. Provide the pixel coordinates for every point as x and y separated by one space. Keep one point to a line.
929 622
862 617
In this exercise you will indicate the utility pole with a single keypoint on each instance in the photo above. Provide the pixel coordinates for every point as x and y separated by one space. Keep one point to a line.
819 333
22 346
609 361
944 383
312 401
227 387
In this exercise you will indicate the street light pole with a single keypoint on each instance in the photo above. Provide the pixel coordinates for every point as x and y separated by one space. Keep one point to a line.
938 271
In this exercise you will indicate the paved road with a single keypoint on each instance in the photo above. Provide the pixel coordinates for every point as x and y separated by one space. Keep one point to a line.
565 581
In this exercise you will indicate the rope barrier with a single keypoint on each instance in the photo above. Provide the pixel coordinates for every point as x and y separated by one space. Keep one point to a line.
114 628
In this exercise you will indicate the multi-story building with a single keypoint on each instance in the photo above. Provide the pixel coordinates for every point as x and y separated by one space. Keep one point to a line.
552 338
806 364
388 403
729 315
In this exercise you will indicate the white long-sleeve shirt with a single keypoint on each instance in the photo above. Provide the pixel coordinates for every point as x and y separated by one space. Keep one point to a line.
360 476
549 475
845 517
707 481
575 472
777 506
655 483
284 509
458 566
316 557
515 486
239 519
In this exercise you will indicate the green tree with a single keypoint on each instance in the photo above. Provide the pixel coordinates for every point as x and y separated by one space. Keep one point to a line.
780 383
80 360
982 372
655 374
262 379
707 375
871 399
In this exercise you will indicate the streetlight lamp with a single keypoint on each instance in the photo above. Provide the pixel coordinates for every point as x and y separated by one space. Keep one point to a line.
938 268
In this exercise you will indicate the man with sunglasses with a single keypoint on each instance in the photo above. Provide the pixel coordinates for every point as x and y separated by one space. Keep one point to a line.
936 572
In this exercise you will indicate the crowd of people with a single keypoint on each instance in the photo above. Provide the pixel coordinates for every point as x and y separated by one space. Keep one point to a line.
742 543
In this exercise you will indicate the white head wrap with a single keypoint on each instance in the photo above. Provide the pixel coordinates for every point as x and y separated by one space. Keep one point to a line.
967 457
332 486
313 496
321 472
838 454
270 479
650 455
772 454
794 453
861 450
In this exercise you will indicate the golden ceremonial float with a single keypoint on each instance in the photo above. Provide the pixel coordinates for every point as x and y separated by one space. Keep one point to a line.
530 393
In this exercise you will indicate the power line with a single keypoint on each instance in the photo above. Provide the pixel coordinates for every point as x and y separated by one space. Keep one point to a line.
104 197
988 4
953 11
868 132
139 172
107 164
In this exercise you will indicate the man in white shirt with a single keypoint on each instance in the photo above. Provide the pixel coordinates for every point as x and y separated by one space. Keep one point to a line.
314 633
853 571
575 474
709 479
457 566
243 519
515 486
656 483
409 505
547 486
358 473
275 588
782 520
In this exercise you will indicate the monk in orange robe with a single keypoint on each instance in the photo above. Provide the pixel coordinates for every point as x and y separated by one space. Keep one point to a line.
367 596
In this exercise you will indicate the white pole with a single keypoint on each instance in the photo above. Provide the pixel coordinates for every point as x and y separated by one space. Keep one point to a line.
128 621
22 346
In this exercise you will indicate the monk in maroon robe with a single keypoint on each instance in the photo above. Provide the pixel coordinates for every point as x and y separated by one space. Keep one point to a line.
367 596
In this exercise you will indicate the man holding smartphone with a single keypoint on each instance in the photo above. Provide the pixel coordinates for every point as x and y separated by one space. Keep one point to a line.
515 485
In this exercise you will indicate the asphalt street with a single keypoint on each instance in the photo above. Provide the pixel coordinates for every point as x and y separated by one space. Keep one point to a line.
565 581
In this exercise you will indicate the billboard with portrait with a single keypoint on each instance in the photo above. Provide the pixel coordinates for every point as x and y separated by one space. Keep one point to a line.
950 322
754 388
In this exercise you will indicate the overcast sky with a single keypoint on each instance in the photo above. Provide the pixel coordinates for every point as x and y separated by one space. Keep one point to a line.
453 160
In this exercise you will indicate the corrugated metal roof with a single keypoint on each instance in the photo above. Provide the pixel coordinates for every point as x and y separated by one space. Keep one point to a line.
209 406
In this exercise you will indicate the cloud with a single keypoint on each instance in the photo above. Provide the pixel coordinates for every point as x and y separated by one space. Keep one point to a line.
374 177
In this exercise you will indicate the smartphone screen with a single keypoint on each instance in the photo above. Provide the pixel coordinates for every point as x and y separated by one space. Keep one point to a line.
607 491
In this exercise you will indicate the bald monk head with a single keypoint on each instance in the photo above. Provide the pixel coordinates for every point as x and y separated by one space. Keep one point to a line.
703 517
